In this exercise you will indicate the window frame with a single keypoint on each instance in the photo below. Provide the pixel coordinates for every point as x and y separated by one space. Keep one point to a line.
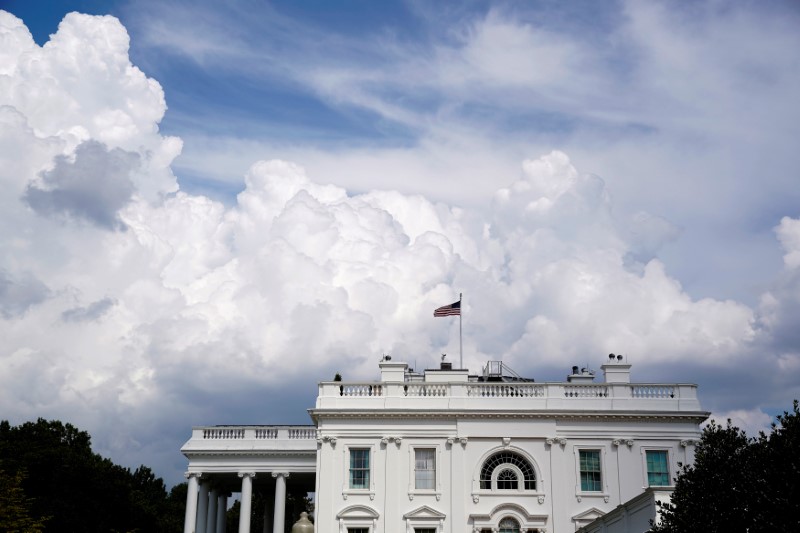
418 479
660 450
412 470
604 490
583 452
502 466
370 488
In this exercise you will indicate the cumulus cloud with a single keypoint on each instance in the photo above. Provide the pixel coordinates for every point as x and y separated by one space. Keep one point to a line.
198 301
94 186
751 421
92 311
19 294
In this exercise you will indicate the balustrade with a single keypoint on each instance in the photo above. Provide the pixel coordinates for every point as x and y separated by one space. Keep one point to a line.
653 391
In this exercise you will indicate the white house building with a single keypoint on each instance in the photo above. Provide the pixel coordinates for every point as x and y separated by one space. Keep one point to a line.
448 452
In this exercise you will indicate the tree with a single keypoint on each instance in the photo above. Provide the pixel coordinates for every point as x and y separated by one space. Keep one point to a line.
15 506
739 484
79 489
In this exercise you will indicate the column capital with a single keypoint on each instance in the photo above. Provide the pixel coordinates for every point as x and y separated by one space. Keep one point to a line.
248 474
188 475
284 474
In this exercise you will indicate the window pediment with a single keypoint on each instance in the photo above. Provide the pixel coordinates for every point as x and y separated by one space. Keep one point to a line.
358 511
424 512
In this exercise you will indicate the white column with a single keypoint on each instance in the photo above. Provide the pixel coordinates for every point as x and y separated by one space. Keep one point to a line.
211 520
247 496
190 520
279 512
202 507
222 509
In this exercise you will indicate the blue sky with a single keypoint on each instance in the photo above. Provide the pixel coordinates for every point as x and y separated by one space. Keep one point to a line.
595 177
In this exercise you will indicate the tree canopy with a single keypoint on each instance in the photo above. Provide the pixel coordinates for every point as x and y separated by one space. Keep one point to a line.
739 484
57 484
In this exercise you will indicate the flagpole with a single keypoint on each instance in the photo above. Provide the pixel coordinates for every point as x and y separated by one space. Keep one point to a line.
460 338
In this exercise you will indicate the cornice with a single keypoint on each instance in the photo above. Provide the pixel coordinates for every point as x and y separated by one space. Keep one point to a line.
694 416
249 453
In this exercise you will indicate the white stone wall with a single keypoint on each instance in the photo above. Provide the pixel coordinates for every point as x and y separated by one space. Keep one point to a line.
557 504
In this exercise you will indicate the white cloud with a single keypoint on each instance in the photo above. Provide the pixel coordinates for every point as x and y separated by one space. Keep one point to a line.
751 421
297 278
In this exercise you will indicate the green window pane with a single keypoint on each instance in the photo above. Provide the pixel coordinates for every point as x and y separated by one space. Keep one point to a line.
591 475
657 468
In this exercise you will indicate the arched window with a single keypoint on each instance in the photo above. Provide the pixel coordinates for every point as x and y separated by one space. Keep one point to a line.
508 469
509 525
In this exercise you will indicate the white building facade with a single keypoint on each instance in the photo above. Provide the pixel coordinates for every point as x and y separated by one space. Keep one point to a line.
446 452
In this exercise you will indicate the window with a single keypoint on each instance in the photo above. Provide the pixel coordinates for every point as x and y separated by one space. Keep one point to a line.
357 530
424 530
359 468
507 480
591 479
509 468
508 525
425 468
657 468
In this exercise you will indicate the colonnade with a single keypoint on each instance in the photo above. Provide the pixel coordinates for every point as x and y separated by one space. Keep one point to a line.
206 504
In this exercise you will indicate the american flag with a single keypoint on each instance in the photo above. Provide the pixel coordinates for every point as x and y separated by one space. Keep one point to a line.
454 309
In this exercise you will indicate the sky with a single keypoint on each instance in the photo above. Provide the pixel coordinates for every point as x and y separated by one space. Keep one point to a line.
209 207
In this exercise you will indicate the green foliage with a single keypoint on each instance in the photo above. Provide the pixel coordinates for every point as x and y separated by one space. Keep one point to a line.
15 506
80 490
739 484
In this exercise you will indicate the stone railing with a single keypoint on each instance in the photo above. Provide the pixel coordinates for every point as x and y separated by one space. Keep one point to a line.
256 433
522 395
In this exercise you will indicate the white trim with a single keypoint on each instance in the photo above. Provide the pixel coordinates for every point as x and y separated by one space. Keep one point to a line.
671 469
437 470
604 492
346 489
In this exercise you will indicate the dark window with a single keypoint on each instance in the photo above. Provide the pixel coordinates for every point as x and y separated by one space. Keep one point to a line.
508 458
507 480
509 525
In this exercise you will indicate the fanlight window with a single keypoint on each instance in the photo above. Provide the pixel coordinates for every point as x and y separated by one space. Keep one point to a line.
509 466
509 525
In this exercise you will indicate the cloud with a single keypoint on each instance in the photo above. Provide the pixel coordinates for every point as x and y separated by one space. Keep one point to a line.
204 303
750 421
92 311
93 187
17 295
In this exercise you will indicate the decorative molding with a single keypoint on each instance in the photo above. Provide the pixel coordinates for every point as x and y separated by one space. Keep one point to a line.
620 442
561 441
450 441
327 438
693 416
475 498
463 441
541 499
605 499
689 442
397 441
506 441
